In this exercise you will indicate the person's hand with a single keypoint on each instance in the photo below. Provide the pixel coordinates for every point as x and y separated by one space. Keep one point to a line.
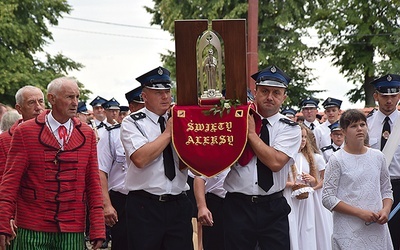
96 244
4 241
13 229
308 179
383 216
205 217
168 127
251 124
110 215
368 216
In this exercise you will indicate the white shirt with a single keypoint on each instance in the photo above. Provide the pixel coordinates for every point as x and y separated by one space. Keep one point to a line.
323 134
53 125
112 161
215 184
284 138
375 125
151 178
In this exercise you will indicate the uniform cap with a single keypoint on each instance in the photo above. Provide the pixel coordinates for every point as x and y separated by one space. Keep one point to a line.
82 108
334 126
289 112
157 78
111 104
331 102
135 95
98 101
309 102
123 108
271 76
388 84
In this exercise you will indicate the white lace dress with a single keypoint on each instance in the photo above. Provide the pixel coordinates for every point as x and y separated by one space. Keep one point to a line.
361 181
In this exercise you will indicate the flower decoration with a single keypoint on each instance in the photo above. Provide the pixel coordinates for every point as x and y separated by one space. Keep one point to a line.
224 105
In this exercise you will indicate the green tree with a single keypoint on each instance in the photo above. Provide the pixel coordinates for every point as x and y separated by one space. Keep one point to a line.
282 24
23 34
362 37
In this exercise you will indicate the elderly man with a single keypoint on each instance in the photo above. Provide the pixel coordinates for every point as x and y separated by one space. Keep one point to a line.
51 174
29 103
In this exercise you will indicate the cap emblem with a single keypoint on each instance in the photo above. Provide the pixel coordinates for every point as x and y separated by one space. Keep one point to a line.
273 69
389 78
160 71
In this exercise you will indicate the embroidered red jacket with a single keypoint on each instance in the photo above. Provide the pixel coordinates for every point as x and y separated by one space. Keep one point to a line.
51 187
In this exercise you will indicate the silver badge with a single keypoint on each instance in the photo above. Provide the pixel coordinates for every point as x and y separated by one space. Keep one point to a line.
273 69
160 71
389 78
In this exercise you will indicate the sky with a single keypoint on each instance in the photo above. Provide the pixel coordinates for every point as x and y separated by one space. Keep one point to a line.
116 43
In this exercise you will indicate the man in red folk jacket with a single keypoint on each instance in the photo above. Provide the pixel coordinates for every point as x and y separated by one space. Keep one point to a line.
51 175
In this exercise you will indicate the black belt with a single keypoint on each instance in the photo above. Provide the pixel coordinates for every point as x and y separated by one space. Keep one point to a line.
258 198
161 198
117 193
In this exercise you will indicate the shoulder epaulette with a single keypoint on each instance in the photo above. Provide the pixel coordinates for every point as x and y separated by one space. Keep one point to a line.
138 116
326 148
113 127
371 112
288 121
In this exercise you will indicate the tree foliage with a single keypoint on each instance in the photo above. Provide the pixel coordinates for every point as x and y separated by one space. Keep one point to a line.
282 24
23 34
362 37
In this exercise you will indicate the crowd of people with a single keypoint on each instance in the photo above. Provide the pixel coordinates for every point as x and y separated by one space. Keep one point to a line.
110 175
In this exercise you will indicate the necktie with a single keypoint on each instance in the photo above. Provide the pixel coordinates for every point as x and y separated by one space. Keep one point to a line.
385 132
264 174
169 166
62 133
312 126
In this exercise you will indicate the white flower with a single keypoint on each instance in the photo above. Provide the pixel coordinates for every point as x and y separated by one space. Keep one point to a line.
227 105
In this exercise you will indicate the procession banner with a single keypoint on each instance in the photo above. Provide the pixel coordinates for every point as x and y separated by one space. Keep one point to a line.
209 143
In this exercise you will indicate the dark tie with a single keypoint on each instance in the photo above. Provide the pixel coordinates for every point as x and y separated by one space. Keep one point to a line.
385 132
312 126
265 180
169 166
62 133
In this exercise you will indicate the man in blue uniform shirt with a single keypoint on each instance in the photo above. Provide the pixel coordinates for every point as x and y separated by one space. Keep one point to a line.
380 125
158 210
255 210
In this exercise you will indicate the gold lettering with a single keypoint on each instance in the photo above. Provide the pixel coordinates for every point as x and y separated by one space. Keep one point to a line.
190 126
198 127
230 140
206 140
222 139
198 140
229 126
189 140
214 140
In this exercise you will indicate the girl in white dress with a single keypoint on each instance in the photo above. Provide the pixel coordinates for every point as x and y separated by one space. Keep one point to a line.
302 217
357 189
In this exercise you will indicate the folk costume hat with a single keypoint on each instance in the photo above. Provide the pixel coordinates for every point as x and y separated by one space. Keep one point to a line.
309 102
271 76
135 95
331 102
98 101
111 104
387 85
157 78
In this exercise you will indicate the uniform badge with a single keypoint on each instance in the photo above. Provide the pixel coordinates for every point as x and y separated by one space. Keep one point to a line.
386 135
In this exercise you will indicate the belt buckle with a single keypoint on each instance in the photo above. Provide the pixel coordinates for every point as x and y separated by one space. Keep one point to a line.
162 198
254 198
